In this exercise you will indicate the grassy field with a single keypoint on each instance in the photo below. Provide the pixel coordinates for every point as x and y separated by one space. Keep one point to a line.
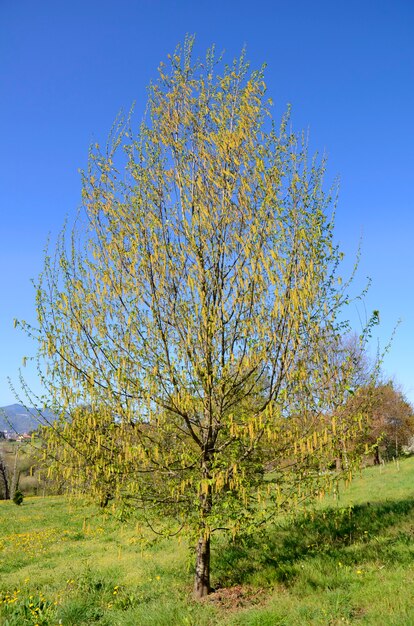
349 562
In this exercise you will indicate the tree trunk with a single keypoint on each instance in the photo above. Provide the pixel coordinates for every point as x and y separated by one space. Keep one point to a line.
345 455
202 569
3 474
16 475
377 456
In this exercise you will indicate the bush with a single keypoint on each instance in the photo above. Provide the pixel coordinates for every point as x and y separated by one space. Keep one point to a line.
18 497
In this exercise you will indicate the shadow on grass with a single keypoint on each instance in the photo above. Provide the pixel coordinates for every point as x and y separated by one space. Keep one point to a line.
364 533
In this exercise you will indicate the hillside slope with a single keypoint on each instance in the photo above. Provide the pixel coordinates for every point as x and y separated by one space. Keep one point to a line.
351 561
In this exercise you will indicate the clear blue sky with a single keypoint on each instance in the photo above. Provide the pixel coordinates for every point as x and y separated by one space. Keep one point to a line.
347 68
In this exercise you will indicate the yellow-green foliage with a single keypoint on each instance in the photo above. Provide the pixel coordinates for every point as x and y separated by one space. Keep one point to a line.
189 328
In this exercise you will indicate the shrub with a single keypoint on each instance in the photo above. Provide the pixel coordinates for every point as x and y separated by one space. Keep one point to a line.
18 497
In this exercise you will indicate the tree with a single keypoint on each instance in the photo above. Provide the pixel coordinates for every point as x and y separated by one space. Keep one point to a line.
196 310
4 474
389 420
365 373
17 468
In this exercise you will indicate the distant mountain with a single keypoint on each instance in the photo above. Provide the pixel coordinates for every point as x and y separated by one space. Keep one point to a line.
16 417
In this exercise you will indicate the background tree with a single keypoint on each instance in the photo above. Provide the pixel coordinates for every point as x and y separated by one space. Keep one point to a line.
360 396
197 312
388 419
17 466
5 481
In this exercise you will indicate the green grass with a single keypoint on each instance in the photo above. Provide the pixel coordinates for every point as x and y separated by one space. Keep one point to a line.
350 561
